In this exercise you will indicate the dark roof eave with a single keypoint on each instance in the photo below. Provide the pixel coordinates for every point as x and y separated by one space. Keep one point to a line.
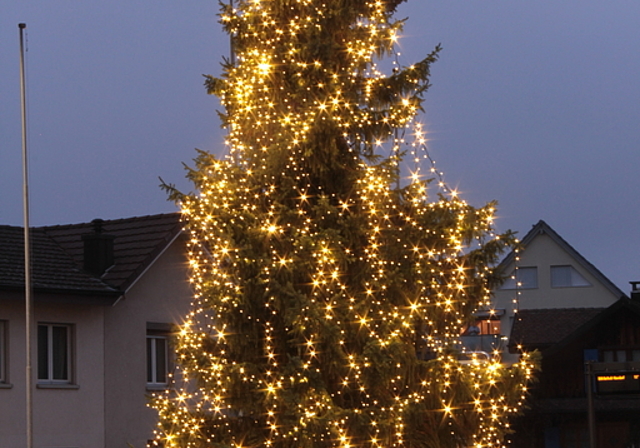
520 348
588 326
67 296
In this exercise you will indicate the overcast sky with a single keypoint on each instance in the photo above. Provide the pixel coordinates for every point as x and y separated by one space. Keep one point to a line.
534 103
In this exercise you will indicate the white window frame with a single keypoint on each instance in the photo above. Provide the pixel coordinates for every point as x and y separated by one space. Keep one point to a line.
157 332
50 358
576 279
515 281
152 360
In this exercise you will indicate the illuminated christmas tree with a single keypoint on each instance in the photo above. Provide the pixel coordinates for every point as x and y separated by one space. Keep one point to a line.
331 285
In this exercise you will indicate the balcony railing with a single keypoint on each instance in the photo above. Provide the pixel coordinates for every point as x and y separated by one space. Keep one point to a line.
484 343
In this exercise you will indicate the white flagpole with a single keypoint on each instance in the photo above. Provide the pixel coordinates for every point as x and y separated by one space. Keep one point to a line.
27 246
232 51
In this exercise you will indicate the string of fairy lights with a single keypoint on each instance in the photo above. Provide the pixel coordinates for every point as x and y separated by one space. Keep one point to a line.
327 307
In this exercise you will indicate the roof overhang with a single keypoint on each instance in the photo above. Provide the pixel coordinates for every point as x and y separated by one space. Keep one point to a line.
67 297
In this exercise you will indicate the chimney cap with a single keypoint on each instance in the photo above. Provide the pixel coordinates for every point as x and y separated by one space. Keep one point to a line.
97 225
635 291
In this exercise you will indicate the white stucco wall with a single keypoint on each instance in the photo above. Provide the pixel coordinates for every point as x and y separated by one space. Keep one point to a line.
161 295
107 405
62 417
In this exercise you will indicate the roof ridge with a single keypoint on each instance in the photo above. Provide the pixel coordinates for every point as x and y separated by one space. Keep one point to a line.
7 226
110 221
573 308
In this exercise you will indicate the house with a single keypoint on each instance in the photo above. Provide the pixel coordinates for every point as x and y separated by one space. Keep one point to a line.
590 373
108 294
106 297
557 302
545 273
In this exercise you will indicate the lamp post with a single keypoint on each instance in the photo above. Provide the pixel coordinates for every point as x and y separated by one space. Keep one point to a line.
590 411
27 246
232 52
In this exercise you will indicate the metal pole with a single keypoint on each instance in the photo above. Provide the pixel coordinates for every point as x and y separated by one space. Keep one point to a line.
232 52
27 247
590 410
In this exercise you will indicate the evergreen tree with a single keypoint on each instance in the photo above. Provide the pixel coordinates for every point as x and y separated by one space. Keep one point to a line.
329 292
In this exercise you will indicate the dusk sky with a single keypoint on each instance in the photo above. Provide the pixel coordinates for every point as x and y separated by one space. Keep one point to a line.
534 103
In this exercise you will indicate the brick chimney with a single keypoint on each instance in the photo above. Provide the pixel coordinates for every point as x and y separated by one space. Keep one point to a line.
635 291
98 249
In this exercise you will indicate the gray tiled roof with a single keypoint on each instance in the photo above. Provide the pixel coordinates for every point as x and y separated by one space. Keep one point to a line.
541 328
138 241
51 267
57 253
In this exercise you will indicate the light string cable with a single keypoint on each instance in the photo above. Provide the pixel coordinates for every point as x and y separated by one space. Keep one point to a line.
418 148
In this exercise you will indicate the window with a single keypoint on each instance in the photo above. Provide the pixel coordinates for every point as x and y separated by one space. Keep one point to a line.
157 360
620 354
566 277
54 353
158 336
526 277
489 326
482 327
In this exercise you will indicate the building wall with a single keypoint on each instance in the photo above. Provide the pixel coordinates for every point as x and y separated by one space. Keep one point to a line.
543 252
162 295
558 402
62 416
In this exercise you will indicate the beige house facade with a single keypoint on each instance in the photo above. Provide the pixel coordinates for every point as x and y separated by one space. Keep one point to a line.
108 296
545 273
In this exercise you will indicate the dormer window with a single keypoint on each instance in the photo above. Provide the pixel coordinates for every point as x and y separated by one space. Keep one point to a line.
567 277
525 277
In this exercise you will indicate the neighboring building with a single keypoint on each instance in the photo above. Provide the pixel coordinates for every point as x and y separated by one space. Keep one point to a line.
544 273
572 342
558 303
107 295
